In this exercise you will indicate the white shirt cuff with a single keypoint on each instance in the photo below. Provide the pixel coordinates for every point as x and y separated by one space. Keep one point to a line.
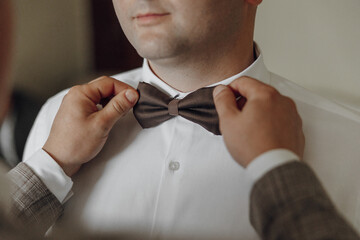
51 174
268 161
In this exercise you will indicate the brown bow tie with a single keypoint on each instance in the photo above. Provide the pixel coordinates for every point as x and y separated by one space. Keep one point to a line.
155 107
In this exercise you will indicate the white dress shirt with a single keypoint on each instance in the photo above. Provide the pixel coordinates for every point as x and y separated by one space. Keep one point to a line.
178 179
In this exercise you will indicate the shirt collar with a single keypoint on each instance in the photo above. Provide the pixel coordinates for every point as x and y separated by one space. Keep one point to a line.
256 70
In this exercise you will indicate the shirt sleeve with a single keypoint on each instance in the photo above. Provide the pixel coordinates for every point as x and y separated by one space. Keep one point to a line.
268 161
51 174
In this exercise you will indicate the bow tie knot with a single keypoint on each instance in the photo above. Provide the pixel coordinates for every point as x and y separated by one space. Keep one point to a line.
155 107
173 107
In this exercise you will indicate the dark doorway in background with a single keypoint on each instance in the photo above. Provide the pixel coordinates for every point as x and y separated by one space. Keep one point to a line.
112 51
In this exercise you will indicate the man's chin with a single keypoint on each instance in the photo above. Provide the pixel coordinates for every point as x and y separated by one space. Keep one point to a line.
153 53
155 45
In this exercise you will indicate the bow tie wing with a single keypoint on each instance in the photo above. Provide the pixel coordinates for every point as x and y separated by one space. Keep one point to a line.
155 107
150 111
199 107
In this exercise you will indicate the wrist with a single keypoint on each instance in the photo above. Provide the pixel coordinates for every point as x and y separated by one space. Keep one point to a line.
69 169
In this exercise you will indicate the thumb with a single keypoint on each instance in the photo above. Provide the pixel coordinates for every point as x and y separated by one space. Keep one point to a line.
117 107
225 102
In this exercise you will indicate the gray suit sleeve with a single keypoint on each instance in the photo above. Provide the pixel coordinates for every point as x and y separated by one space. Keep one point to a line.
289 202
33 205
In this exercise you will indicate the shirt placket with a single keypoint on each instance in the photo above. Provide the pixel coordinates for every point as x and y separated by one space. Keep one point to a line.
169 186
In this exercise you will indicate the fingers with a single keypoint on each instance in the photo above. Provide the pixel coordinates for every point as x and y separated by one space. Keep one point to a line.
248 88
104 87
122 98
118 106
119 98
251 88
225 101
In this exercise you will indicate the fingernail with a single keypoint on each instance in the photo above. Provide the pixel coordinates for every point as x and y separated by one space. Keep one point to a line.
219 89
131 96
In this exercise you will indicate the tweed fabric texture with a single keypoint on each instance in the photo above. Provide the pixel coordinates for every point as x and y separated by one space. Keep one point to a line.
290 203
34 206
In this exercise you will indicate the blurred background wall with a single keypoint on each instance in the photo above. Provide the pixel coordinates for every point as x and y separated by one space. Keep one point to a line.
315 43
53 44
63 42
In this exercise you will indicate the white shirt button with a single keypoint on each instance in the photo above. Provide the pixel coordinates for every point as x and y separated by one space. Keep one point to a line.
174 166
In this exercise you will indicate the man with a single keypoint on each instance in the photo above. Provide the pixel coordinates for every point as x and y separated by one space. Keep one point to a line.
35 208
177 178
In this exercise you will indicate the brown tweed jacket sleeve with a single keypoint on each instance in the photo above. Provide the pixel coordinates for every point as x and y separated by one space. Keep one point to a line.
289 202
34 206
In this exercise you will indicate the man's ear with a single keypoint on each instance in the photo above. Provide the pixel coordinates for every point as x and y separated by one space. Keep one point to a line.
254 2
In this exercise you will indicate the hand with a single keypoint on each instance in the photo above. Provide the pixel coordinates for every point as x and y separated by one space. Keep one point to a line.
267 121
80 130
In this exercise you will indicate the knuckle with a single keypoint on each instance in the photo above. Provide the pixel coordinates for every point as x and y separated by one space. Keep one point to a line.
271 92
291 102
246 79
102 78
75 89
267 94
120 106
220 96
243 81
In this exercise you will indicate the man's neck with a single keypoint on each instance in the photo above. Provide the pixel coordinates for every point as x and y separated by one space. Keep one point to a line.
191 73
